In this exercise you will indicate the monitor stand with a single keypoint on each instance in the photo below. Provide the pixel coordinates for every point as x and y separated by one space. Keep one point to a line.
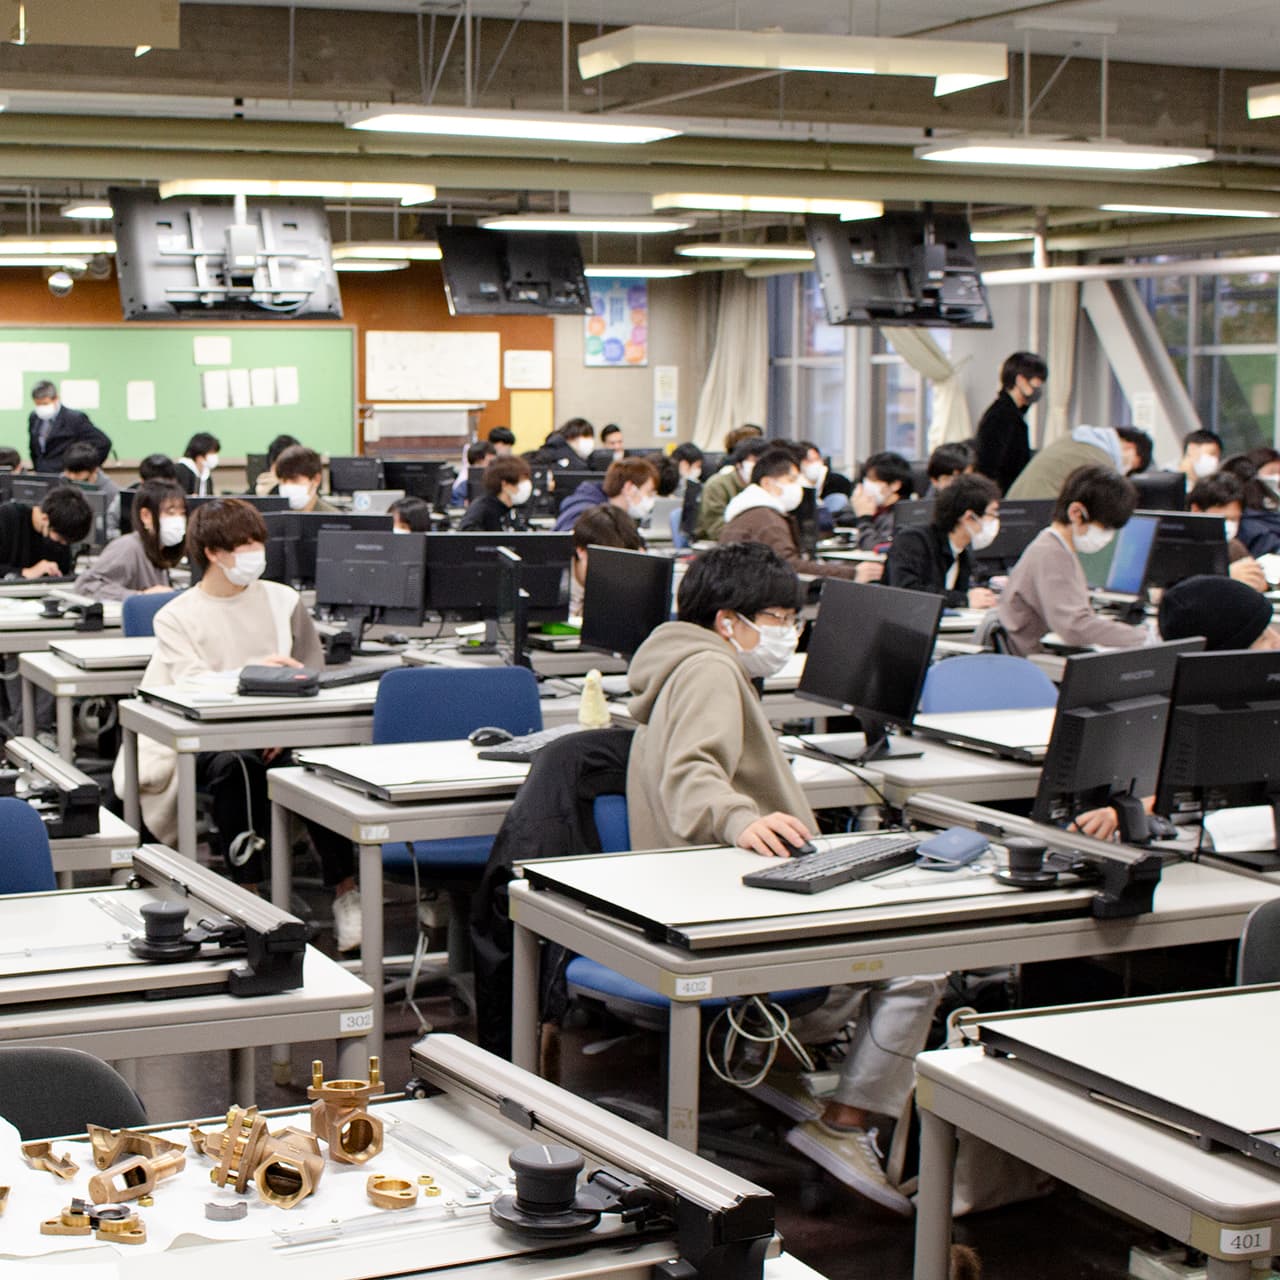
1261 859
1134 828
879 745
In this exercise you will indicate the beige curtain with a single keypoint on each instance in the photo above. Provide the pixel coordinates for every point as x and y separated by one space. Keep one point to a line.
1064 317
736 388
950 419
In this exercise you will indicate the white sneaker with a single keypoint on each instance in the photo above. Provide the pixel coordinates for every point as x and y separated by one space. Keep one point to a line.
348 928
854 1158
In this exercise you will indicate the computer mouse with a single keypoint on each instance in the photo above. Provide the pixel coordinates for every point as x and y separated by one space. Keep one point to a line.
799 850
395 637
488 735
1161 828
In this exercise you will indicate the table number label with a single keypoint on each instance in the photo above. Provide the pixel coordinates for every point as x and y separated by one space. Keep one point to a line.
693 986
121 857
375 835
186 744
354 1021
1233 1240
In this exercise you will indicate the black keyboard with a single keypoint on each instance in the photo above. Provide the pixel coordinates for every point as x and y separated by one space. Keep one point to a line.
837 864
522 750
356 673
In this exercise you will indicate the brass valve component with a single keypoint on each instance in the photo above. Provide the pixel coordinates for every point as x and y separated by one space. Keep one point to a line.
134 1177
390 1193
110 1146
72 1221
340 1115
237 1150
285 1166
291 1169
146 1201
109 1222
426 1180
39 1155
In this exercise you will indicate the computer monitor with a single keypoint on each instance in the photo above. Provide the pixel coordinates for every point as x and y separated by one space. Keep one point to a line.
567 481
1220 744
271 502
418 477
32 487
369 576
512 622
1187 545
475 483
913 511
1105 747
99 503
293 537
1161 490
868 654
462 573
711 463
1127 573
346 475
254 465
600 459
6 484
627 595
1020 523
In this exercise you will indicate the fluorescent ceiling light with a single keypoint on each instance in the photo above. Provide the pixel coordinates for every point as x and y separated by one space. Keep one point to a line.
407 193
55 246
847 210
954 64
1191 211
86 209
1054 154
370 264
521 126
19 260
636 226
633 271
412 250
140 50
999 237
1264 101
716 249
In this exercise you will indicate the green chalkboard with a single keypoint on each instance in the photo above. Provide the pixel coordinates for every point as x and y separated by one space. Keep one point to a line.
165 355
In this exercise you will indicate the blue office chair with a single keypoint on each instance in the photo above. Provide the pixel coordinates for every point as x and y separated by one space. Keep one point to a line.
986 682
679 539
138 614
27 865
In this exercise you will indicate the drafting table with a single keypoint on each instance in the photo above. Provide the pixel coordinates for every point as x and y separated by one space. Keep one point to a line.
820 947
110 849
66 682
546 662
1204 1061
23 626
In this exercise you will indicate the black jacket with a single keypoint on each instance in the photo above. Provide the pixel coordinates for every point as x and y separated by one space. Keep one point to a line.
556 451
66 427
488 514
919 559
21 546
1004 447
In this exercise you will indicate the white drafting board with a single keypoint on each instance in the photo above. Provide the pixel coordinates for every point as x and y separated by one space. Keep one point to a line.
209 702
1213 1056
432 365
70 931
398 764
1023 727
114 652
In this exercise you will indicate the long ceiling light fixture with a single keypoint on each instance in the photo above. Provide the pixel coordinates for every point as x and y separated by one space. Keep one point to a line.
953 64
406 193
635 271
726 250
55 246
618 224
1192 211
370 264
846 210
1053 153
519 126
1264 101
382 250
86 208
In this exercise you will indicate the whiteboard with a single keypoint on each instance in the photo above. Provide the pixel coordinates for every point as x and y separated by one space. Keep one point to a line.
408 365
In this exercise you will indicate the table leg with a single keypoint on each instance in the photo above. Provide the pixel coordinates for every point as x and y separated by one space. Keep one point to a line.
371 930
132 808
353 1060
1231 1269
524 998
62 710
281 889
933 1203
243 1089
28 708
684 1050
187 804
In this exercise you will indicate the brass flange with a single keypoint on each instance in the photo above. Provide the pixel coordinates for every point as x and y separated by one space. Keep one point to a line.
390 1193
340 1115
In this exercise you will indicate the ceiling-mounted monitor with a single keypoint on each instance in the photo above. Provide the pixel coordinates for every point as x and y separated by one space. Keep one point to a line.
914 269
517 273
210 259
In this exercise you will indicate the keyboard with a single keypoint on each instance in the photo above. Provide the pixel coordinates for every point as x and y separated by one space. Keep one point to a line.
837 864
522 750
357 673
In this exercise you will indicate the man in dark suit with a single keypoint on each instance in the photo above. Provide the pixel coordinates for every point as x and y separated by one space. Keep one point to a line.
53 429
1004 447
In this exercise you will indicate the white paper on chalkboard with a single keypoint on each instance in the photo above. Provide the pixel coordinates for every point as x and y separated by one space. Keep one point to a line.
140 401
262 387
80 393
526 370
240 387
287 391
211 349
12 388
43 357
432 365
216 389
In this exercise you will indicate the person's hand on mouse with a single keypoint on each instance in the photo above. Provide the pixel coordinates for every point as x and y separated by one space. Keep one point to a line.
42 569
769 835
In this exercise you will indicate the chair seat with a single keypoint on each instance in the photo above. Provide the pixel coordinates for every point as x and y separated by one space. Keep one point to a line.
438 857
592 977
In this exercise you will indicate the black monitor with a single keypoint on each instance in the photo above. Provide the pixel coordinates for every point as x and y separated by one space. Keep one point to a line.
913 511
293 536
512 622
99 503
346 475
567 481
31 488
868 654
805 517
369 576
126 510
418 477
1220 745
1020 523
264 503
711 463
1161 490
475 483
462 573
6 484
1105 747
491 273
254 465
1187 545
600 459
627 595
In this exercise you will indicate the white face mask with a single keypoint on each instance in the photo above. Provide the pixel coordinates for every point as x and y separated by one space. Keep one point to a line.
640 508
874 490
46 411
791 495
693 475
775 648
210 461
248 567
745 469
1092 539
1231 528
172 530
987 534
582 446
524 491
298 495
1205 464
812 471
398 529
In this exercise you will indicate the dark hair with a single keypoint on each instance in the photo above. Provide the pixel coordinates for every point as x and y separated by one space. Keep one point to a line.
668 476
505 471
736 435
574 428
222 525
950 460
890 467
278 446
298 461
1257 497
1218 490
636 471
1262 455
44 390
157 466
964 494
12 458
743 577
80 456
200 444
415 512
606 526
750 447
611 429
1202 437
151 496
1140 441
70 516
1105 494
1022 364
687 452
502 435
773 462
478 451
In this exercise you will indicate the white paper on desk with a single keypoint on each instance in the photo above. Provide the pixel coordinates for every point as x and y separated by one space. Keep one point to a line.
1241 830
215 385
211 349
140 401
80 393
262 387
287 384
240 387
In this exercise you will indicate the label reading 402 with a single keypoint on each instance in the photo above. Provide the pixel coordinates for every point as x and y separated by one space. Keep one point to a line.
1252 1240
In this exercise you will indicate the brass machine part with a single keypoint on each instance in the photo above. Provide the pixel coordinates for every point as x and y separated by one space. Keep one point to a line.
146 1201
285 1166
110 1146
291 1169
340 1115
390 1193
39 1155
236 1150
137 1176
426 1180
4 1200
109 1222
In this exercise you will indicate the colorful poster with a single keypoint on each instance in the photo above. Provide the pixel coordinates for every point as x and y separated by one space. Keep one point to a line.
617 332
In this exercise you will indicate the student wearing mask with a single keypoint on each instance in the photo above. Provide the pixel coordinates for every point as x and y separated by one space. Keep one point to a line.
52 429
508 485
726 484
688 461
630 485
569 446
198 462
265 485
816 474
410 515
1003 444
1201 456
1258 471
706 768
1086 446
1047 590
298 472
80 466
603 526
479 454
140 561
946 463
938 557
36 542
1223 495
503 440
886 481
231 619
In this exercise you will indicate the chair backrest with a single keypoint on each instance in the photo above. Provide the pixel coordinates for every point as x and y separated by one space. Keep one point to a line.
138 613
435 704
1259 959
679 539
48 1092
985 682
610 814
27 865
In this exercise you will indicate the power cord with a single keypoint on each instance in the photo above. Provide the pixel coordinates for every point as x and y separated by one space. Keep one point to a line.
246 844
829 757
776 1029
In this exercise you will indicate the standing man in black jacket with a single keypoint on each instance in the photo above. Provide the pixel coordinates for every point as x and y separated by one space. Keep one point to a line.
53 429
1004 447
